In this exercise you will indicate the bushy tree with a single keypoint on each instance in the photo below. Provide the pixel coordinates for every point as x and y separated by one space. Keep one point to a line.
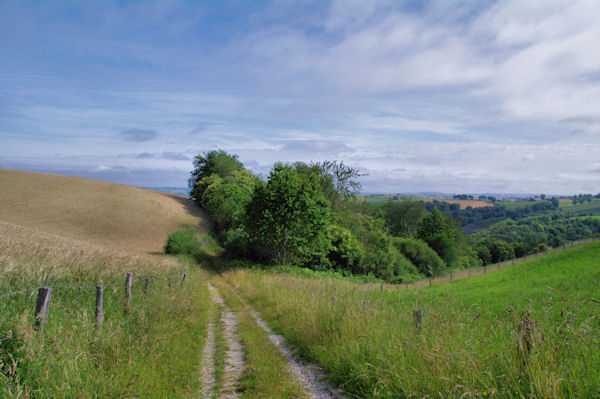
210 163
288 218
420 254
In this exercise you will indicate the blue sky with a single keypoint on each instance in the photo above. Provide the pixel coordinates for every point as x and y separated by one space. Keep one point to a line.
476 97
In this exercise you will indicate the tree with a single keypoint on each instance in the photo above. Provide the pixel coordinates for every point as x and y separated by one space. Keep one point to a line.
402 218
225 199
217 163
440 232
288 218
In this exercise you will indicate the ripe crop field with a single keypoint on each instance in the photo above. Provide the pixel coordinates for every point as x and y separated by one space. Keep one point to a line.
464 204
531 330
106 214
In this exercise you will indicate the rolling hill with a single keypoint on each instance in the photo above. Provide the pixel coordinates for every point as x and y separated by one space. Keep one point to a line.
106 214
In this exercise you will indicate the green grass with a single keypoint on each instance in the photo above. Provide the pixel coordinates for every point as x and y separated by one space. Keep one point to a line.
525 331
153 350
266 374
130 355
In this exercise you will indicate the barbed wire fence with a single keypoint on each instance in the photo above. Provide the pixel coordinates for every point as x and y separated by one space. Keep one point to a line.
44 296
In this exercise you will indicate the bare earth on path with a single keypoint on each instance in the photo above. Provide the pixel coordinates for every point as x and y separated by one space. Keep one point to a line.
310 376
207 374
234 357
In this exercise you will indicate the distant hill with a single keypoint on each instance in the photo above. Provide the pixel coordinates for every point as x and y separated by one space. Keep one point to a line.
105 214
184 191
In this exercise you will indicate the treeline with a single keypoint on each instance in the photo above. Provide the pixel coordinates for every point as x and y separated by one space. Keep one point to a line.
509 239
308 215
483 215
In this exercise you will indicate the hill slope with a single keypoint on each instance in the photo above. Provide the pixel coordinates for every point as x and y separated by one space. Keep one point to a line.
106 214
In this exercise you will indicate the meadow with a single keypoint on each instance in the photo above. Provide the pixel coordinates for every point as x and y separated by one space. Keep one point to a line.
531 330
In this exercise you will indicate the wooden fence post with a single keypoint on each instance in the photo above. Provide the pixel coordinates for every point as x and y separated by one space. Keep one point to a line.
146 285
41 305
418 319
99 305
128 281
484 269
182 279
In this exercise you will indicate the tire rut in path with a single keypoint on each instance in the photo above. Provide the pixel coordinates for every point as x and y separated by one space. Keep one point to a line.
207 373
234 356
311 377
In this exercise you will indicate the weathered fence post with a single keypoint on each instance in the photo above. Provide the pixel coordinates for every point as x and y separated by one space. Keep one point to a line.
146 286
128 281
170 282
484 269
41 305
418 319
99 305
182 279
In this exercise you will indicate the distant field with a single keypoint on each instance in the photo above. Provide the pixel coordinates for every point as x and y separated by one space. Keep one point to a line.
102 213
586 207
464 204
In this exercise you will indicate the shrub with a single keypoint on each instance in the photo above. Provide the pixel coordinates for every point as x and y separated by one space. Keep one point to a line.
183 242
420 254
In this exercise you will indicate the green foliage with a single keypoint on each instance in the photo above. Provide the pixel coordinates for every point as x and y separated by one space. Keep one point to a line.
288 218
420 254
440 232
536 233
183 242
225 199
490 250
211 163
346 252
402 218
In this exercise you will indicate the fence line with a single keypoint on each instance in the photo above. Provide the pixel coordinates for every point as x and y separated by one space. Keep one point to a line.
475 271
44 296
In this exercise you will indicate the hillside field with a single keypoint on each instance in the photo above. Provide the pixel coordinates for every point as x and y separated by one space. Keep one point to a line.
106 214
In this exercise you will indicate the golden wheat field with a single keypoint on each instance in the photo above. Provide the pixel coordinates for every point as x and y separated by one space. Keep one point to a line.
464 204
108 215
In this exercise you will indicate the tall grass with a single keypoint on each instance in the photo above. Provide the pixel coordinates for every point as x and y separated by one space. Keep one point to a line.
153 350
526 331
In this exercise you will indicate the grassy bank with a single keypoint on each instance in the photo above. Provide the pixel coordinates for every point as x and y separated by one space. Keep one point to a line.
527 331
153 350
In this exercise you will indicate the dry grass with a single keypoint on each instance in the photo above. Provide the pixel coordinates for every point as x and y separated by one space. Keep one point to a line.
30 256
105 214
464 204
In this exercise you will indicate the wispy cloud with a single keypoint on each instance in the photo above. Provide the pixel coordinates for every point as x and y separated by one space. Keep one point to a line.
450 95
138 135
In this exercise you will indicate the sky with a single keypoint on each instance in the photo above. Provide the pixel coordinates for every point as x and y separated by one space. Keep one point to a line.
446 96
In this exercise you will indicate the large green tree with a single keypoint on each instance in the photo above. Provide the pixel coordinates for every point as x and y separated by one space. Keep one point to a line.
211 163
288 218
